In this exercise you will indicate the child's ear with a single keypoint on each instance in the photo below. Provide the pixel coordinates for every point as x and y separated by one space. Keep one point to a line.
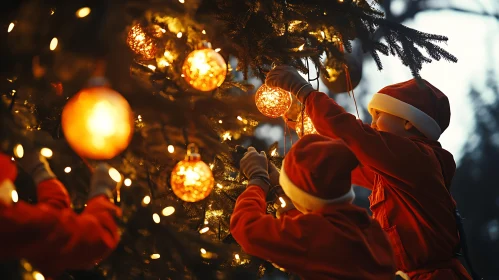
408 125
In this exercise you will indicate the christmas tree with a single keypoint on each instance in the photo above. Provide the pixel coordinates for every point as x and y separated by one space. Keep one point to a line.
184 68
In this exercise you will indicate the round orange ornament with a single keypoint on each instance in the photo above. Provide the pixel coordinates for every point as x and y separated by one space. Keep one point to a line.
97 123
192 179
140 42
304 124
273 102
204 70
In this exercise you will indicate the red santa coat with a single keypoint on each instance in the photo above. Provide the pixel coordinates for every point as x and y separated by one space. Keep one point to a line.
340 241
410 180
53 237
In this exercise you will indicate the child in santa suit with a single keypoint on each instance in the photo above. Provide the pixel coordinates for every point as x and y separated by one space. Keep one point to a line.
402 162
332 239
49 234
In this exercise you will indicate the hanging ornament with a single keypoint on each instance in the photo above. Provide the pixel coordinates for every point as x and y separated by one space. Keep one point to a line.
304 124
344 76
192 179
273 102
141 42
97 123
204 69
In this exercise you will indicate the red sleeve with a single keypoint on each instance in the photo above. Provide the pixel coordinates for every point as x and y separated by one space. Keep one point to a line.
53 193
58 239
282 241
363 176
382 152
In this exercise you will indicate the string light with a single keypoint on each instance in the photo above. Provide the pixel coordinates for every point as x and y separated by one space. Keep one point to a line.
11 26
83 12
114 174
167 211
19 151
155 256
203 251
146 200
236 256
53 43
204 31
127 182
179 35
204 230
219 186
38 276
218 49
14 196
67 169
239 118
171 149
46 152
156 218
152 67
283 203
182 1
226 136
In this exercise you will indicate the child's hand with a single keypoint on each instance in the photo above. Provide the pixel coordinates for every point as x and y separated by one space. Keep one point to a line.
36 166
254 166
287 78
101 182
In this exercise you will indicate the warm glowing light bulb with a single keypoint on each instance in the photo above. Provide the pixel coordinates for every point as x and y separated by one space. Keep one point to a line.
14 196
167 211
114 174
127 182
204 230
67 169
236 256
146 200
46 152
283 203
156 218
53 43
11 26
83 12
203 251
171 149
38 276
155 256
19 151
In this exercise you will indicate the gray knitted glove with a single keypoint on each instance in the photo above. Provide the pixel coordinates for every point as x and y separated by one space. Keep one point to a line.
254 166
36 166
287 78
101 183
274 175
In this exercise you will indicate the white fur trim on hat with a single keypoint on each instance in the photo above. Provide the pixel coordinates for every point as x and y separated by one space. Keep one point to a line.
307 200
423 122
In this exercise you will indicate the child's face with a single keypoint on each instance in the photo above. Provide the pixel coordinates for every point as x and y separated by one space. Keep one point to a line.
385 122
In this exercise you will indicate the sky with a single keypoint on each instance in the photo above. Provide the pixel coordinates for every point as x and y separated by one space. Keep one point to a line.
473 39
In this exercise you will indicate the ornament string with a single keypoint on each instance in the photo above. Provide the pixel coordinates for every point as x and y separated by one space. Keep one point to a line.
349 80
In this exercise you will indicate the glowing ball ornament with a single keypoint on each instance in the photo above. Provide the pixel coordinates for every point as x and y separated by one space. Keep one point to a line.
304 124
97 123
192 179
273 102
204 69
140 42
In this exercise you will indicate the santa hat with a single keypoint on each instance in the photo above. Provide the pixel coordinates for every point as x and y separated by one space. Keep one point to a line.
317 172
425 106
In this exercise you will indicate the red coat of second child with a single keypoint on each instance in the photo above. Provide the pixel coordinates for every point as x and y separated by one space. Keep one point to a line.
410 180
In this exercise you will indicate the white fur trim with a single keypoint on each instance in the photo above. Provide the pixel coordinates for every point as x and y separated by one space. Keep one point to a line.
307 200
423 122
